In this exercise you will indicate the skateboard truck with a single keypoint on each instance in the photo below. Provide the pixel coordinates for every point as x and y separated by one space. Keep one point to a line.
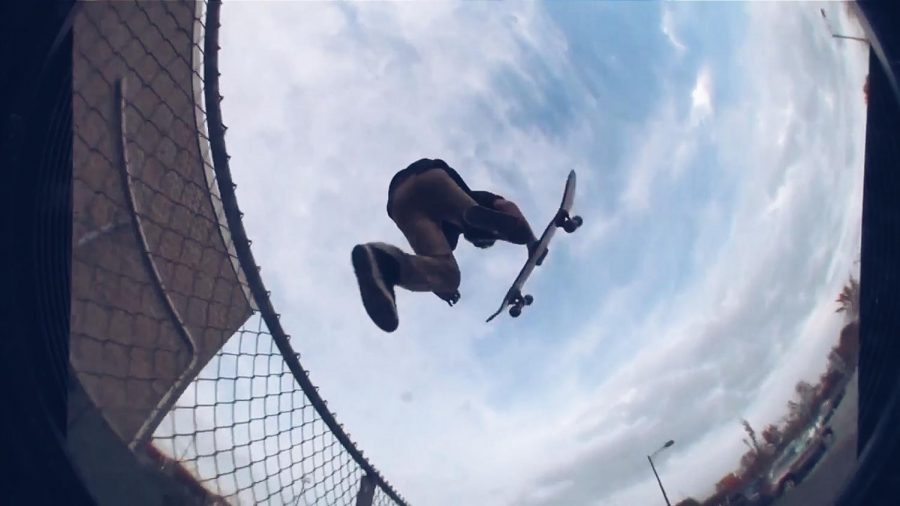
450 299
568 223
517 302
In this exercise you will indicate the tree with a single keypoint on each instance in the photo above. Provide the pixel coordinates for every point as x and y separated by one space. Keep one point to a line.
836 362
805 390
794 412
799 410
728 483
847 349
793 426
848 344
749 463
806 395
866 90
753 443
828 383
848 300
772 435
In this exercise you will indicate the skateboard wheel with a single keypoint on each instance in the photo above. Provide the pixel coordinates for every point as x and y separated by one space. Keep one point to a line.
515 311
528 300
572 224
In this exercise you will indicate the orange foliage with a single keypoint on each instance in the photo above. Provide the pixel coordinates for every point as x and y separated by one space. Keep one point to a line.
730 481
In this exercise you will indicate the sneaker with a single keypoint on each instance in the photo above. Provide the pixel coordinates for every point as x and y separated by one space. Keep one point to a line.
376 272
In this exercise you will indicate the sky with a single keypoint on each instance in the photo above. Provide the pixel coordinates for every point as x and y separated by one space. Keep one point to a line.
719 153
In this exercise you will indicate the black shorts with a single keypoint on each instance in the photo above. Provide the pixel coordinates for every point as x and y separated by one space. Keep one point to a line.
451 231
481 197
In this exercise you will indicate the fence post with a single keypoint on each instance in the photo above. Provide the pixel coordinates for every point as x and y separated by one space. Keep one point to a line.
366 491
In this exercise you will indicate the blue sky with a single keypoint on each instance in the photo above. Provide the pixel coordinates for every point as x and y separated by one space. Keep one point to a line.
719 155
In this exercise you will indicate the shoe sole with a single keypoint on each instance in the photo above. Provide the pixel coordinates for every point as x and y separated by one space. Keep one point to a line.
375 295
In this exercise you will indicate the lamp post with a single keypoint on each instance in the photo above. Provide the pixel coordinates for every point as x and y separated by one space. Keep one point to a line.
650 459
836 36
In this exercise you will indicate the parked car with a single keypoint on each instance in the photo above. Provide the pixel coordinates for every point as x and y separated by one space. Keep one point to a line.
827 409
798 459
824 431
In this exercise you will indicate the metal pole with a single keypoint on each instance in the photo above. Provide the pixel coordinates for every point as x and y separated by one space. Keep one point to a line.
836 36
860 39
659 481
366 491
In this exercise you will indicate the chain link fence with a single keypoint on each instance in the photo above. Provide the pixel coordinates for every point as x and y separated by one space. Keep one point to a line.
184 384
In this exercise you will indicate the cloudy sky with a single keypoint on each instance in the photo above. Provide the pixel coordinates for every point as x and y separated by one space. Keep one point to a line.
719 150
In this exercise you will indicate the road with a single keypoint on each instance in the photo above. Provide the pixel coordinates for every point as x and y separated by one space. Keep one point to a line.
824 483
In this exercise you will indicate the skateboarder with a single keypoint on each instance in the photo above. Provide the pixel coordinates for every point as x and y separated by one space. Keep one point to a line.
432 205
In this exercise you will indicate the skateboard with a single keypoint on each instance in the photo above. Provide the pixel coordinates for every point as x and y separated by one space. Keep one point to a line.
514 299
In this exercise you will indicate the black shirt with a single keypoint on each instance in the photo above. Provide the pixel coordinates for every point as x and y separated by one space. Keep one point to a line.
451 231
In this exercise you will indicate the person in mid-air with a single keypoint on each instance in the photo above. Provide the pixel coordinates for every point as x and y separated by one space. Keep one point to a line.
432 205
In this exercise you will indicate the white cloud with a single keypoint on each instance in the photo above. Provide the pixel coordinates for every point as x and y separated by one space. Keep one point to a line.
701 97
667 26
716 334
333 98
667 145
661 152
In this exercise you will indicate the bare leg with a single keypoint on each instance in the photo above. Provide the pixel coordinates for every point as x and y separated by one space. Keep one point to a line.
421 204
380 267
433 194
433 268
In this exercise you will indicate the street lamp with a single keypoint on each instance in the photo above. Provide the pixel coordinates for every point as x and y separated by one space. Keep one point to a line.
836 36
650 459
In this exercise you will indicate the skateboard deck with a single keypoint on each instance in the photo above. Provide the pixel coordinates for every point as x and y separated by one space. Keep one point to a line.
514 299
